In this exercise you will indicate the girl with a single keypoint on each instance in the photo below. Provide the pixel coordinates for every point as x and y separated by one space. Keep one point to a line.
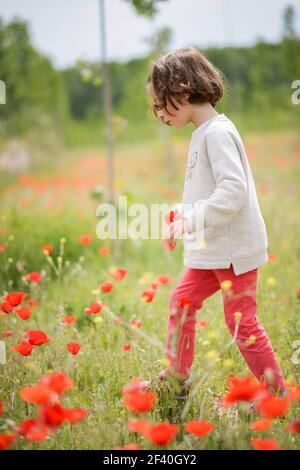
220 197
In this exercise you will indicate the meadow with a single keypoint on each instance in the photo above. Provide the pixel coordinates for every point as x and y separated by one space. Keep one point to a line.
86 295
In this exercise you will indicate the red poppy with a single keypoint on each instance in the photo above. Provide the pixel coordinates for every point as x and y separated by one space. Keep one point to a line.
104 250
148 295
6 439
95 307
32 303
39 394
138 425
37 337
170 246
273 407
34 276
139 401
126 347
261 425
199 428
73 348
75 415
136 323
15 298
24 347
32 430
242 389
164 279
1 407
106 287
47 249
118 319
293 426
294 392
7 307
23 312
272 257
154 285
265 444
161 434
7 333
132 446
2 247
53 415
58 382
118 274
169 218
202 323
69 319
85 239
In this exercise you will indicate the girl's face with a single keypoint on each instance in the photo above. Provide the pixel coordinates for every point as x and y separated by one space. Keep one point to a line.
179 117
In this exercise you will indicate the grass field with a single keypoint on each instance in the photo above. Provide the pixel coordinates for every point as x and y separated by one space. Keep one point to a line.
53 205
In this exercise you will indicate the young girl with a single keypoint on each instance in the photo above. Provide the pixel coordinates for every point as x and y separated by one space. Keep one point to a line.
184 87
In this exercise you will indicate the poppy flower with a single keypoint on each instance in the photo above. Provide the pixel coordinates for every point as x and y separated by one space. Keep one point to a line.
265 444
38 394
48 249
148 295
23 312
273 407
161 434
154 285
138 425
106 287
95 307
242 389
293 426
73 348
261 425
6 307
202 323
1 407
85 239
139 401
52 416
15 298
126 347
32 302
37 432
164 279
3 247
132 446
37 337
136 323
7 333
104 250
118 274
169 218
34 276
199 428
58 382
69 319
24 347
75 415
170 246
294 392
6 439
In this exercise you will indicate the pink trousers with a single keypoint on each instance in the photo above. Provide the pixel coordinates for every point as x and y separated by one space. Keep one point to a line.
239 295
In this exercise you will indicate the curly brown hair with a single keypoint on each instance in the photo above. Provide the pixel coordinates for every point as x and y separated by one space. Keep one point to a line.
185 72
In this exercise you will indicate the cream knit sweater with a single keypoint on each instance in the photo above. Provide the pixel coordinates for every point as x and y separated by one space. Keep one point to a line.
220 198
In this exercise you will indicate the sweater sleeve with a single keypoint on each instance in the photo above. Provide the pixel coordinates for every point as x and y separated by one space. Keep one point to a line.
231 184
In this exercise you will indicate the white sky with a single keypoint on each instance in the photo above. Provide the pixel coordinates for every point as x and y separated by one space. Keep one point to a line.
68 29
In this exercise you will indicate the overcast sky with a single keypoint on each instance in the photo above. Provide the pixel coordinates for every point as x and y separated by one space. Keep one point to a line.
68 29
